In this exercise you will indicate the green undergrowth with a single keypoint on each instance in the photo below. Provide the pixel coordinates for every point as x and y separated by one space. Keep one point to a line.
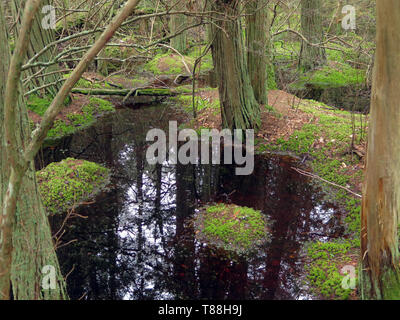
324 269
338 72
38 105
186 102
271 81
65 184
74 121
232 228
90 112
169 64
330 77
206 63
325 141
84 83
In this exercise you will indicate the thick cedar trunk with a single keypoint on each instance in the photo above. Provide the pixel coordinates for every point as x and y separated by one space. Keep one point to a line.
32 245
311 28
380 276
239 107
40 37
256 41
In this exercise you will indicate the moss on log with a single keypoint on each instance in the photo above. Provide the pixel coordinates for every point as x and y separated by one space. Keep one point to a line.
156 92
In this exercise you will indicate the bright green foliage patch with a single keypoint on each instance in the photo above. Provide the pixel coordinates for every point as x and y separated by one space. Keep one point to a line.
325 140
335 129
329 77
232 228
336 74
84 83
271 81
186 101
324 268
65 184
78 121
206 63
285 52
38 105
167 64
353 219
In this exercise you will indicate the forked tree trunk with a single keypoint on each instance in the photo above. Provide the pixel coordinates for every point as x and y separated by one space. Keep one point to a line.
380 275
311 28
32 241
40 37
239 107
256 42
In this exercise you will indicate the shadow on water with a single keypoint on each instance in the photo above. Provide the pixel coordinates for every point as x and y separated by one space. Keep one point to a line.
136 240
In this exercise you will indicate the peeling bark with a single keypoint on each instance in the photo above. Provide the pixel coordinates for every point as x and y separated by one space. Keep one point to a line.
380 275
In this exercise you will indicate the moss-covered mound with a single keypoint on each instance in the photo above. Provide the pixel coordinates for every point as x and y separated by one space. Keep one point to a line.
324 270
71 122
169 64
67 183
330 77
233 228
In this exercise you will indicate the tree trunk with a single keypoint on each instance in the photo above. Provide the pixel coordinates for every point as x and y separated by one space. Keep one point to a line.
32 245
256 41
311 28
239 107
178 22
380 275
40 37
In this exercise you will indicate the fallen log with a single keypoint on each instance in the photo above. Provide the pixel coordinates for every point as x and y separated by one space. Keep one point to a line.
155 92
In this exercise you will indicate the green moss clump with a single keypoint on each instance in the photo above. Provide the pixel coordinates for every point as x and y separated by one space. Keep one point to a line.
169 64
271 81
232 228
328 77
38 105
206 62
286 51
78 121
323 272
83 83
335 127
186 101
65 184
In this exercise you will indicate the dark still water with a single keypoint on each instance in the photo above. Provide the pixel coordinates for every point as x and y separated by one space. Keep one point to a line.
136 240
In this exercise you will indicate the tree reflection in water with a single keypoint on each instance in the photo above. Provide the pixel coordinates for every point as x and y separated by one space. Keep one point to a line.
137 240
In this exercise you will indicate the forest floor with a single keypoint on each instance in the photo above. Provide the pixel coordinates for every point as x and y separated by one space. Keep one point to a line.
286 116
330 142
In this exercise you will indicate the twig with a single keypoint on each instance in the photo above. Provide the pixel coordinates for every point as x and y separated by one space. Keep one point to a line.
314 176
